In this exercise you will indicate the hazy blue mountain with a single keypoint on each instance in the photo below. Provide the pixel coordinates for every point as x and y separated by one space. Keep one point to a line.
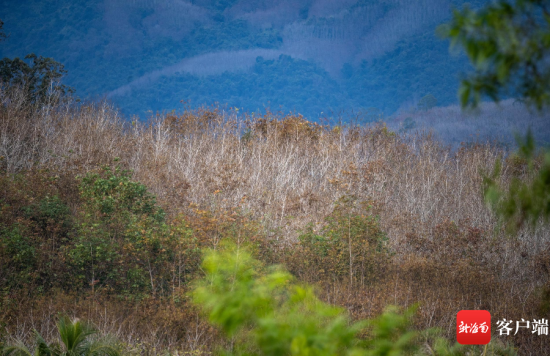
306 56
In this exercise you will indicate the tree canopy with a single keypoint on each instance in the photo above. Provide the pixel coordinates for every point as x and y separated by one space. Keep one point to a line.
38 76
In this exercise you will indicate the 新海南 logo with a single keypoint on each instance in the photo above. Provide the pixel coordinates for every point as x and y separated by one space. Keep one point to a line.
473 327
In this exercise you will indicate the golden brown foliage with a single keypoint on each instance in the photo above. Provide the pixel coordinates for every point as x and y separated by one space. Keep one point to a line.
270 181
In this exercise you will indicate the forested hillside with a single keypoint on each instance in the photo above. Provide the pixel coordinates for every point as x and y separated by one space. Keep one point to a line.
108 220
309 57
242 227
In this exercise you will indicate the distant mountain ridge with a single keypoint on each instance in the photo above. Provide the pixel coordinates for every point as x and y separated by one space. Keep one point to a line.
148 55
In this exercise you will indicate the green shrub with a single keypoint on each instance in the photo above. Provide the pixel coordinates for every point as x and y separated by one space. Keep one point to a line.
266 312
34 216
270 314
18 257
122 240
349 245
113 197
51 215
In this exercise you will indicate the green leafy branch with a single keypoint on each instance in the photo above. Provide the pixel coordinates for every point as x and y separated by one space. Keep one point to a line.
508 43
524 201
265 311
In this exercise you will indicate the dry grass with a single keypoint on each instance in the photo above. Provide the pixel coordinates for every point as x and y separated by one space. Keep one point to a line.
286 173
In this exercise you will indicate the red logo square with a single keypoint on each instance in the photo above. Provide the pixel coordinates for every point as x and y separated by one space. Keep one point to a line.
473 327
